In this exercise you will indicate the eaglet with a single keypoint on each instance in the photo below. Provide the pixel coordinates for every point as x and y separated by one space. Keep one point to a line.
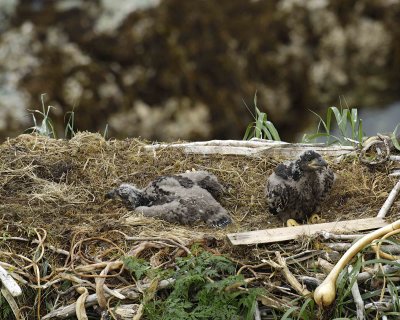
296 189
182 198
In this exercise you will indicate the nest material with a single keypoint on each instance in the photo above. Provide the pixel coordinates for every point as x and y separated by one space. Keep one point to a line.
59 187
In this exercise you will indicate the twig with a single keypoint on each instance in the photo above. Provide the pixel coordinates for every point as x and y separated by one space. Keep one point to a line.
303 256
53 248
333 236
379 305
389 201
234 286
14 238
338 246
395 173
357 298
290 277
386 269
252 267
257 314
274 303
324 265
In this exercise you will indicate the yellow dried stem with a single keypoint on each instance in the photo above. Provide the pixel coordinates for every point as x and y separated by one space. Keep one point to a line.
80 304
376 246
325 293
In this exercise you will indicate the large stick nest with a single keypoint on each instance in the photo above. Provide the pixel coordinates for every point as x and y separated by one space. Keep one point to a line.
56 188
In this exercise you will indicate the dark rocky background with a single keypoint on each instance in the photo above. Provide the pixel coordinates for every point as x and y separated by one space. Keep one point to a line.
173 69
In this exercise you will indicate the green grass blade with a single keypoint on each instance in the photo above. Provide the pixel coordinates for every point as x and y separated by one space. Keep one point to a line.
251 112
288 313
360 131
338 115
394 138
272 129
267 133
105 133
303 314
69 130
353 121
247 134
261 117
308 137
321 121
341 119
328 120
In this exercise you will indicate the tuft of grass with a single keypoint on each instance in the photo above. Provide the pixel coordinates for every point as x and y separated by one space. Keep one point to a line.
349 124
261 127
43 127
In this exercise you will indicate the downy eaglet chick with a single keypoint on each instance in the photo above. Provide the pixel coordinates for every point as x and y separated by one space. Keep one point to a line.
296 189
182 198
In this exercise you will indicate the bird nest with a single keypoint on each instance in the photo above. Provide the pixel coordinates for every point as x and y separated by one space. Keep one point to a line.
57 223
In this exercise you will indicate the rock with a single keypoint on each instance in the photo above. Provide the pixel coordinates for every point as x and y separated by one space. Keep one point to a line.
171 69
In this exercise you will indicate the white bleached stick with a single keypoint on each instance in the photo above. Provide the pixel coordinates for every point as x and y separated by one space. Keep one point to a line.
9 283
357 299
389 201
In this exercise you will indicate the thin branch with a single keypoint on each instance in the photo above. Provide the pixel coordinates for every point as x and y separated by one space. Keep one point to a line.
290 277
389 201
357 298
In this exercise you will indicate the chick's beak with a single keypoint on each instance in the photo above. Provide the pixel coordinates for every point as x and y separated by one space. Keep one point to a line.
318 163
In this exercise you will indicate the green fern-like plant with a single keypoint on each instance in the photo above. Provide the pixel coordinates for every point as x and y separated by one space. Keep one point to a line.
199 292
138 267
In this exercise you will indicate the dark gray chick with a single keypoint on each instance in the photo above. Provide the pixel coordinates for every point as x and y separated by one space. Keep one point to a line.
296 189
183 198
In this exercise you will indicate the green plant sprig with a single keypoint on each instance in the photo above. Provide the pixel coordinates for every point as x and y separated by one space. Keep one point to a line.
261 127
348 122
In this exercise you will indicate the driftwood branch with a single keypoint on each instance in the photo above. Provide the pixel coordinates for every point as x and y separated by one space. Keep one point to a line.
252 148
